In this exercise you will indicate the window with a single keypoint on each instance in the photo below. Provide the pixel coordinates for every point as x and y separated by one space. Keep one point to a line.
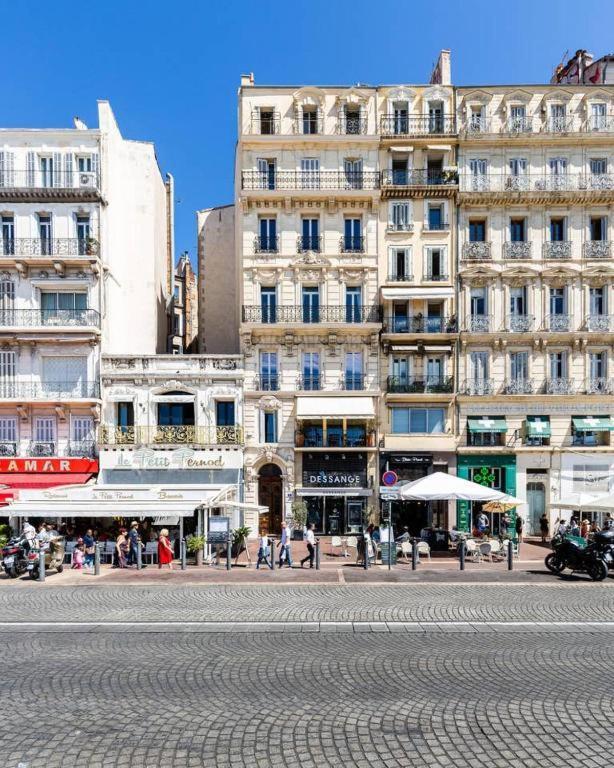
44 436
436 217
175 414
477 301
268 235
399 372
46 167
266 173
353 173
477 231
125 416
44 234
352 119
400 174
518 118
268 371
7 300
84 242
519 366
598 166
597 301
352 235
270 426
478 168
310 173
436 264
537 430
82 433
598 366
7 235
311 304
85 163
225 413
268 304
598 117
310 238
557 301
557 121
518 178
400 120
400 267
476 119
557 178
518 166
435 116
479 367
310 120
7 373
353 304
557 229
177 293
267 121
353 370
178 324
311 371
418 420
518 230
435 368
400 217
63 307
8 436
518 301
558 365
599 228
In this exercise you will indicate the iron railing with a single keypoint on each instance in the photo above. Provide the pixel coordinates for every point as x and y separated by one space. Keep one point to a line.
85 448
562 124
419 384
267 382
518 387
477 125
419 324
391 125
530 182
559 386
309 180
8 448
400 226
435 277
29 318
478 387
352 382
311 314
43 448
352 244
519 125
49 390
517 250
306 243
558 249
519 323
600 323
52 179
478 323
477 251
266 244
265 123
352 126
436 226
597 249
400 277
558 323
52 246
309 382
599 386
418 178
308 125
170 435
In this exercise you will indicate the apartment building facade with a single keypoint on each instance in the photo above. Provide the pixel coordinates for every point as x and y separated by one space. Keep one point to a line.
183 315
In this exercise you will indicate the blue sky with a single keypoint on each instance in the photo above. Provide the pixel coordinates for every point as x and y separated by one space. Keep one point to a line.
171 69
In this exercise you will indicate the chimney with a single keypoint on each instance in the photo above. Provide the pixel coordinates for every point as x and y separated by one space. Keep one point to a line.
247 79
442 71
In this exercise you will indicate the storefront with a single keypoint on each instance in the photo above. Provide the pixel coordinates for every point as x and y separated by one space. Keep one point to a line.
493 471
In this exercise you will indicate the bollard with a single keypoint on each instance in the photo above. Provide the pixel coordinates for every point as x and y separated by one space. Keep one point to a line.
272 549
510 556
228 551
183 554
41 566
96 559
139 555
414 554
462 554
317 555
366 557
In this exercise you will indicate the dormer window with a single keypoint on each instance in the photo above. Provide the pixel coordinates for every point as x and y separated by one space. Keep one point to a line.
310 120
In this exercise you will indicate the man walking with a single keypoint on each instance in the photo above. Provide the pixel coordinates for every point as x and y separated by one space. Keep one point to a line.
311 546
133 539
284 546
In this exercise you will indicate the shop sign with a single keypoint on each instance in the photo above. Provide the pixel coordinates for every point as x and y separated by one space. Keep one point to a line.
420 459
180 458
332 478
48 464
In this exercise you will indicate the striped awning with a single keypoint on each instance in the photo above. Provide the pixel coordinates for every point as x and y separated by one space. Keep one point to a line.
538 426
487 424
593 423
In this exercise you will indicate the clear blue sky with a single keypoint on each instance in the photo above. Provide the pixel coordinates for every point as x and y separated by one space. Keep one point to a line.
171 69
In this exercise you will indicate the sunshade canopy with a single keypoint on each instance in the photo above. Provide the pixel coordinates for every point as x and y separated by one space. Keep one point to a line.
487 424
538 426
441 486
334 407
593 423
579 501
604 502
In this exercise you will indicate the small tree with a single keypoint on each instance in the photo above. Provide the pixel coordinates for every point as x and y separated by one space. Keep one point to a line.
299 514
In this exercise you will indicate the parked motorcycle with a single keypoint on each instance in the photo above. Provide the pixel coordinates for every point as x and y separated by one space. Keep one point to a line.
54 558
576 554
15 557
604 544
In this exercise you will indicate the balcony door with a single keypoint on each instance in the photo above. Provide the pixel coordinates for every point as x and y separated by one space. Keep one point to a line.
82 435
311 370
311 304
598 117
519 366
557 301
478 169
353 370
434 370
518 301
268 234
479 367
597 301
8 362
266 173
310 239
268 304
47 170
44 436
8 235
352 235
435 117
518 116
45 234
8 436
176 421
353 173
268 371
400 117
598 364
477 302
400 371
65 375
310 173
353 304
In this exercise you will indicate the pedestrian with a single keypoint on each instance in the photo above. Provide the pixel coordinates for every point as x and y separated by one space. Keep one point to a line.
562 528
165 550
482 523
78 556
608 523
90 548
505 524
594 527
584 528
544 527
519 524
263 550
284 546
574 528
121 548
311 547
133 539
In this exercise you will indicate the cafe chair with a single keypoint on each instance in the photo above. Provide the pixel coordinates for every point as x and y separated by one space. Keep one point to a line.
472 550
108 553
406 551
69 548
335 543
151 552
423 549
486 550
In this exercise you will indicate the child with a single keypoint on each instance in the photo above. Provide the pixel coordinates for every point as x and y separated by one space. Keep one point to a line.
78 557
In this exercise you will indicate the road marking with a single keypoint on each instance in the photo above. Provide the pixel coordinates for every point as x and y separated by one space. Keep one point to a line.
340 576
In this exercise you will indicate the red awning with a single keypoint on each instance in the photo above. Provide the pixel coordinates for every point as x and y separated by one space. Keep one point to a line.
42 479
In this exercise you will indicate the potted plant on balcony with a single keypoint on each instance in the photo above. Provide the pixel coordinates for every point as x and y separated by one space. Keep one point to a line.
195 546
299 519
371 438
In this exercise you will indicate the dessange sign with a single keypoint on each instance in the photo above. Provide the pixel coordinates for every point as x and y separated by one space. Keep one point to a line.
332 479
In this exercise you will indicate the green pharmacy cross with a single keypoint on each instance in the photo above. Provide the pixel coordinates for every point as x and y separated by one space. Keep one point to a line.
484 477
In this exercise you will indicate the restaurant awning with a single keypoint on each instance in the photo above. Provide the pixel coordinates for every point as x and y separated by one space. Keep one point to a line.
412 293
593 423
538 426
40 480
335 407
487 424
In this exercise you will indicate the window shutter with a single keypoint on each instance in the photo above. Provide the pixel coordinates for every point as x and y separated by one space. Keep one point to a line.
57 169
96 169
7 374
2 170
68 178
8 430
30 169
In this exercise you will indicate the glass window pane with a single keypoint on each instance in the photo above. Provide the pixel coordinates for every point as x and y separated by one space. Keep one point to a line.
435 420
417 421
400 420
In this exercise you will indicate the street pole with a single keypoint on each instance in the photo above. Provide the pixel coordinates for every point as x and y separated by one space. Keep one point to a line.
318 555
139 556
389 534
182 554
228 550
41 565
414 554
97 559
510 555
366 557
462 554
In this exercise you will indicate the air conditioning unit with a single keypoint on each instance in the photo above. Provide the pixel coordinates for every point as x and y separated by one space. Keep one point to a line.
86 179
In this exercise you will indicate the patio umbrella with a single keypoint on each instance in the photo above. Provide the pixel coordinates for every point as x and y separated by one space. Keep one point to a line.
579 501
503 505
443 487
602 502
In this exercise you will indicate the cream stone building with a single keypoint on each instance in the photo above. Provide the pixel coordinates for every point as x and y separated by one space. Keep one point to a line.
536 306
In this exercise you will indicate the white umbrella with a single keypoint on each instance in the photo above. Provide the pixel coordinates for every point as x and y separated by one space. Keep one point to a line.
579 501
441 486
603 502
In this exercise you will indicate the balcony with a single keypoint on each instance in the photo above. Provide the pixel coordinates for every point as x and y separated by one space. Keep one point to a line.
597 249
419 324
49 390
536 183
309 180
477 251
308 314
600 386
49 318
477 387
600 323
519 323
558 250
60 247
563 124
518 387
310 383
43 448
417 126
477 125
436 226
478 323
51 184
267 382
353 382
352 244
517 250
406 226
518 126
306 243
435 277
559 386
265 123
599 124
418 178
419 385
558 323
308 125
86 448
400 277
350 125
267 244
170 435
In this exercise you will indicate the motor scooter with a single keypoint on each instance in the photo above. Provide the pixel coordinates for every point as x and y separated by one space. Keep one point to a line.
15 556
54 557
577 555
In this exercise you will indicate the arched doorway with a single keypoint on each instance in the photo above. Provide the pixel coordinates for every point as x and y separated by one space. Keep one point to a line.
270 494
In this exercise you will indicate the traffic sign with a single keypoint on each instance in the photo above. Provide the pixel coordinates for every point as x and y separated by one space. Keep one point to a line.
390 478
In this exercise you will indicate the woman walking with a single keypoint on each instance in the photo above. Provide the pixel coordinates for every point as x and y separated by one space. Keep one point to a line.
121 548
165 550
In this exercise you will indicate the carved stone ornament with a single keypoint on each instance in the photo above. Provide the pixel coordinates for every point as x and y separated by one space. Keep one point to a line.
596 278
121 362
309 259
269 403
4 276
559 278
221 364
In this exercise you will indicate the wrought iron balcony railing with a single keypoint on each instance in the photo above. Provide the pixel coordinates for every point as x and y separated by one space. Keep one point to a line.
559 249
418 178
310 382
530 182
599 386
518 125
51 179
266 244
597 249
476 125
478 387
436 226
311 314
170 435
309 180
479 251
518 387
563 124
306 243
559 386
435 277
600 323
352 244
265 123
49 390
400 277
81 448
558 323
396 226
391 125
478 323
8 448
267 382
315 438
419 385
599 124
519 323
352 126
29 318
517 250
43 448
64 247
308 125
419 324
352 381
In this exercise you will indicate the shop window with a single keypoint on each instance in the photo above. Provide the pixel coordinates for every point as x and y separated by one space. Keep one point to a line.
486 439
418 420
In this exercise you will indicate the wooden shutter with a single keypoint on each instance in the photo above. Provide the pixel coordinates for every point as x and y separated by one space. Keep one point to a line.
30 169
68 175
57 170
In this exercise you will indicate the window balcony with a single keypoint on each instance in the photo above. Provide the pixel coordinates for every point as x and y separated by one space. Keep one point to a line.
265 123
478 387
48 183
518 126
352 244
391 125
597 249
558 323
311 314
533 183
308 125
314 436
559 386
600 386
310 383
435 277
418 178
353 382
436 226
309 180
352 125
306 243
267 382
518 387
600 323
43 448
477 125
558 250
480 251
179 434
60 247
85 448
419 385
517 250
400 277
49 390
519 323
599 124
563 124
419 324
267 244
479 324
400 226
49 318
8 448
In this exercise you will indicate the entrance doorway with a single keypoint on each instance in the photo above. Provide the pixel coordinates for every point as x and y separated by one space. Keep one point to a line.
270 494
536 498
